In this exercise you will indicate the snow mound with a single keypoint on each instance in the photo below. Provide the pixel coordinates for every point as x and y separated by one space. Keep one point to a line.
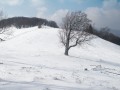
33 58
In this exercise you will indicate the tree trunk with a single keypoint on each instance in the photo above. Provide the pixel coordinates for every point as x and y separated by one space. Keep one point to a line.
66 51
67 43
67 47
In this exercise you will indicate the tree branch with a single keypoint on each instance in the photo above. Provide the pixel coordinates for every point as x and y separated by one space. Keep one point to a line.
74 44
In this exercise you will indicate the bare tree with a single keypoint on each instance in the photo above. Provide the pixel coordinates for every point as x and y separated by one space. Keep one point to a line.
104 32
2 15
2 30
73 30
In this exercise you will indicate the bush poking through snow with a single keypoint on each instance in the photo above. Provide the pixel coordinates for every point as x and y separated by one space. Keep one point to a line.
1 63
85 69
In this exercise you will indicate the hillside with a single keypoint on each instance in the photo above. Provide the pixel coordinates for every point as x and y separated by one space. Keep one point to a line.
25 22
33 59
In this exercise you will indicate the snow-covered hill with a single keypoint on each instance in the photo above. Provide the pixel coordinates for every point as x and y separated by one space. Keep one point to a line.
33 59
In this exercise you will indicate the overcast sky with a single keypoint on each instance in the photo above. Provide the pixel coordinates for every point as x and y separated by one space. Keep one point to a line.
101 12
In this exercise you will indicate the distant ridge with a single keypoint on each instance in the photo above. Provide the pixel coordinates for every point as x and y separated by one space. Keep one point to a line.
25 22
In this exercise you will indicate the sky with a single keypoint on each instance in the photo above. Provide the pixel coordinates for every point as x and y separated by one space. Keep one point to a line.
103 13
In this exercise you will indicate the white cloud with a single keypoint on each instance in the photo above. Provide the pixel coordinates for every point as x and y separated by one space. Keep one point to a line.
41 12
108 15
58 15
11 2
110 4
41 8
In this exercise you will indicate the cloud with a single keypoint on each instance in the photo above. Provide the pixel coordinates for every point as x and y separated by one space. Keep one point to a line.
58 15
40 6
110 4
108 15
41 12
11 2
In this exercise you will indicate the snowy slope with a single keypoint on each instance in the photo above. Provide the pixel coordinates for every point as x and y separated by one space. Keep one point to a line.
32 59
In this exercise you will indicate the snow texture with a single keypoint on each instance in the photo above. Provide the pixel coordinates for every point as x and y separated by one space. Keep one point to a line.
33 59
